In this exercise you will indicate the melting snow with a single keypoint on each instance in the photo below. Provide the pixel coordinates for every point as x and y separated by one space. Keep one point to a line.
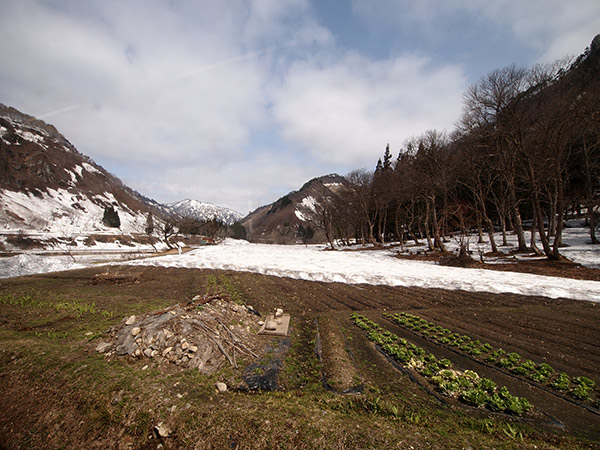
310 203
78 169
301 216
370 267
90 168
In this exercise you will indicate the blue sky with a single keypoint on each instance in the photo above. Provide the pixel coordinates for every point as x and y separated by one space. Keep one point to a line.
238 102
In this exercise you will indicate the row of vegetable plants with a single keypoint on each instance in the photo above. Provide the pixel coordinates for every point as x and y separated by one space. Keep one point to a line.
579 387
466 385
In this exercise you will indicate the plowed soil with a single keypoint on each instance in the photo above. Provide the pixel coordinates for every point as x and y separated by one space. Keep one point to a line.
561 332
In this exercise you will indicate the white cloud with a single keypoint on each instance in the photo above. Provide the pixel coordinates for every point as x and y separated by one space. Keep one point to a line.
344 112
242 185
176 95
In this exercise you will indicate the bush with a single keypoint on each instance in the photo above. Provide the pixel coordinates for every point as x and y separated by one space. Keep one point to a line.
111 217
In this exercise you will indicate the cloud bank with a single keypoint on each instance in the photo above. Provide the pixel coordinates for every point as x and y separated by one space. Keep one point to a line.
238 102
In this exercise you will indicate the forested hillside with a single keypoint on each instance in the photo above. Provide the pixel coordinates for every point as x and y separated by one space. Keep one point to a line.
523 156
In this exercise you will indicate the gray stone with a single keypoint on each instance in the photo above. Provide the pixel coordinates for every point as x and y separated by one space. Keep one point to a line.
135 331
130 321
102 347
221 387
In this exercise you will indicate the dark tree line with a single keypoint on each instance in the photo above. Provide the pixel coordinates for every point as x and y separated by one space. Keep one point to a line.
524 154
189 226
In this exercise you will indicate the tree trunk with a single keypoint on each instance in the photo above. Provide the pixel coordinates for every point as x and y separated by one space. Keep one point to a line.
426 226
559 215
437 240
534 247
503 225
537 210
516 218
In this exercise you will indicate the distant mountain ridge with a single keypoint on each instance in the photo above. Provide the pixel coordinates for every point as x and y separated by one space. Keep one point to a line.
204 211
297 216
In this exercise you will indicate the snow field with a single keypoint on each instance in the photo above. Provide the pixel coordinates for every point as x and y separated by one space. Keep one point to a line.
370 267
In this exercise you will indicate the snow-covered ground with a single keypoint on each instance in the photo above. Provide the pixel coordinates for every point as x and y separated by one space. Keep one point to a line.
366 266
576 246
31 263
369 267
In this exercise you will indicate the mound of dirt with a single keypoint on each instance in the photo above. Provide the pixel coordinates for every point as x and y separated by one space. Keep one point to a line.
207 333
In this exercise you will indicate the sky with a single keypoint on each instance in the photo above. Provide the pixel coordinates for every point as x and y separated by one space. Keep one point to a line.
237 102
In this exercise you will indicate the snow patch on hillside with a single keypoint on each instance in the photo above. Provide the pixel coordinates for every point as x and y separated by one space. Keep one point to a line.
61 211
310 202
300 216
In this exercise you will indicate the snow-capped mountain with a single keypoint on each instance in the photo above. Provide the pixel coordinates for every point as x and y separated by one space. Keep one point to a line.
46 185
204 211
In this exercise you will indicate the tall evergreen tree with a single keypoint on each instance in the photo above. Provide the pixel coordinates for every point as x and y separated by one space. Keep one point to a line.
111 217
149 224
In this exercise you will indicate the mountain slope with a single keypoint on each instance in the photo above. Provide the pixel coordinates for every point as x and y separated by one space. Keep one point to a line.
47 185
204 211
296 216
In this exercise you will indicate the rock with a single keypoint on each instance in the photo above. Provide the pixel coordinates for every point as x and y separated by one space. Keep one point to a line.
89 333
137 352
135 331
278 312
193 348
271 325
145 367
130 321
261 323
162 430
185 345
221 387
154 353
148 352
166 351
102 347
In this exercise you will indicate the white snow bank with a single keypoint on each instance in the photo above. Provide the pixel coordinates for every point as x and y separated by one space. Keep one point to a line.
370 267
20 265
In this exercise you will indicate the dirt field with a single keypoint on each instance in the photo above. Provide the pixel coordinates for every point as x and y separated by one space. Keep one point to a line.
48 359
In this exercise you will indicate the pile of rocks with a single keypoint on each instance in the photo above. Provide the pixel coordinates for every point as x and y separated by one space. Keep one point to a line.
206 333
